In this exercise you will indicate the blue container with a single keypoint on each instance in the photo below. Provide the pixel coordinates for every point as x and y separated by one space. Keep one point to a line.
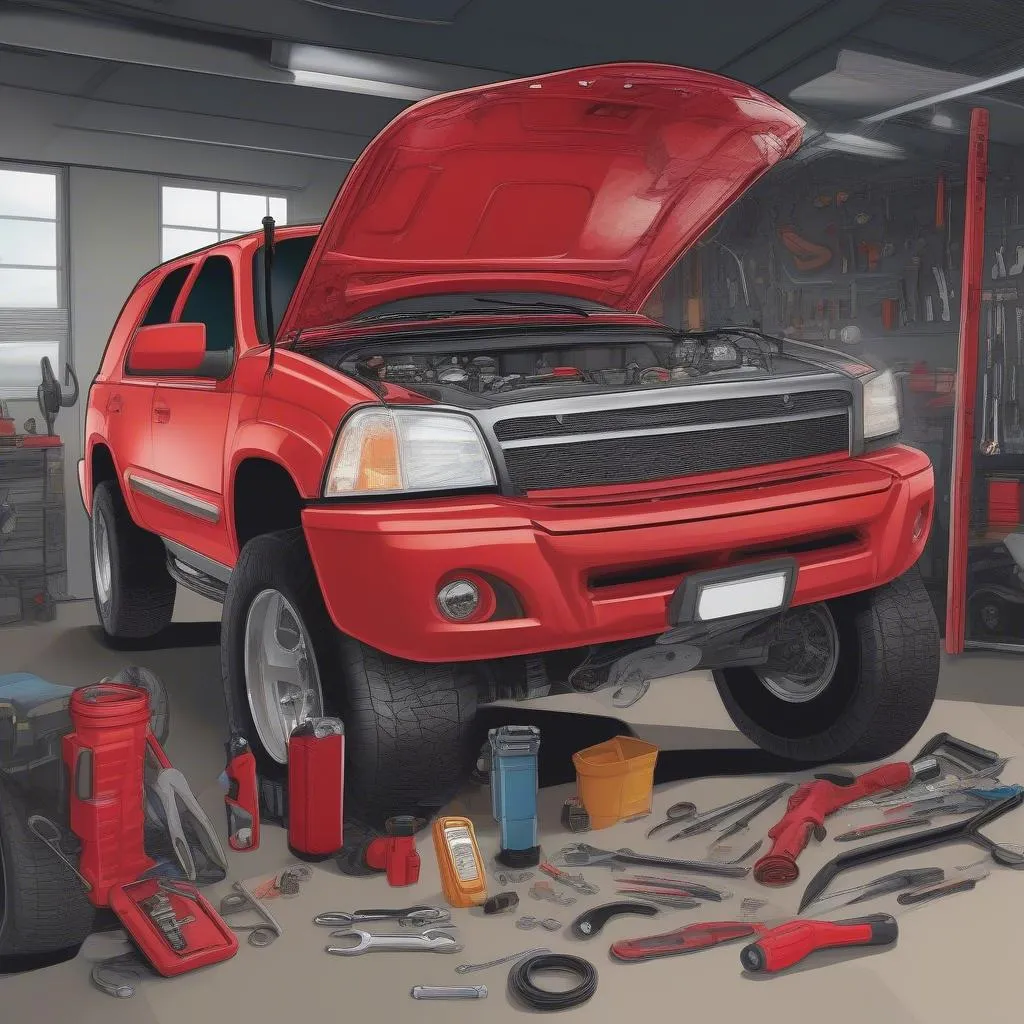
514 793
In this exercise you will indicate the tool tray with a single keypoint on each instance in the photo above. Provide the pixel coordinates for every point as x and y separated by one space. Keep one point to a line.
207 939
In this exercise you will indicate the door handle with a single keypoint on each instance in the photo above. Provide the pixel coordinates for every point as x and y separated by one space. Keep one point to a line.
114 403
161 413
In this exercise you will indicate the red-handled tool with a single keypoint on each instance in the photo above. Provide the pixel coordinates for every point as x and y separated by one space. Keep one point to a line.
242 798
690 939
814 801
785 946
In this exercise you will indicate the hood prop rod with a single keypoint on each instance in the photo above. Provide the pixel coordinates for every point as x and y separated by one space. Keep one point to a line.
268 277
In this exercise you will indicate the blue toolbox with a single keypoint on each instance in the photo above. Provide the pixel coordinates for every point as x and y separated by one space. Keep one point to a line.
514 793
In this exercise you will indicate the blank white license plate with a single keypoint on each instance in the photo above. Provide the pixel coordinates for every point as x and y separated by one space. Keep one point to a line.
763 592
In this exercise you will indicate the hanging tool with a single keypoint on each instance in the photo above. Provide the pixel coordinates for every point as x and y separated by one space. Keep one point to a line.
740 270
968 831
1018 262
682 811
709 819
999 266
941 284
807 256
582 855
51 397
47 831
909 878
814 801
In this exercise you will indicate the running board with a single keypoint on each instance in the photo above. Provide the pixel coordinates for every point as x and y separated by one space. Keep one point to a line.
197 573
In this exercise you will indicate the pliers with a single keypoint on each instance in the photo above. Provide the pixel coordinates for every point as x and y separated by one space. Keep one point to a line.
169 787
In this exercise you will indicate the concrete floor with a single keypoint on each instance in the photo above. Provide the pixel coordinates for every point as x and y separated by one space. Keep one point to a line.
982 699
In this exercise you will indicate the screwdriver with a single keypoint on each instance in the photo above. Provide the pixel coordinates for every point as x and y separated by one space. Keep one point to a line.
910 878
790 943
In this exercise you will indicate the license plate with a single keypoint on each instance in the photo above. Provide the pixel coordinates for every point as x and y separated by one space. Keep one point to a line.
761 588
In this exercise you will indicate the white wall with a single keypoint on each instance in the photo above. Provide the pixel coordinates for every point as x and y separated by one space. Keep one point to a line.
114 230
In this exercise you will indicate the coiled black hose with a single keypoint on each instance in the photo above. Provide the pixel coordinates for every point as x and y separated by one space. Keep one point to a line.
522 988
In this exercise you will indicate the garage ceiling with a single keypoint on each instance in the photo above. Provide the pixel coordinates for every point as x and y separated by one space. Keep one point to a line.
142 67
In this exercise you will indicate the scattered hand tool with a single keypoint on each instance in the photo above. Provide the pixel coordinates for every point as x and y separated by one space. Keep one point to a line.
963 881
910 878
527 923
285 883
449 992
582 855
683 811
917 817
968 831
513 877
433 940
590 922
119 975
709 819
242 800
544 890
577 882
742 824
501 903
469 968
241 900
686 887
171 787
814 801
407 917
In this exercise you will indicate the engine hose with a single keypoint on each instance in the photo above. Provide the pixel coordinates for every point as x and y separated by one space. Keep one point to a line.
522 988
774 869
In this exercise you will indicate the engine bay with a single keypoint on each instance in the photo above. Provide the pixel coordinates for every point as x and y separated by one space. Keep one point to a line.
489 370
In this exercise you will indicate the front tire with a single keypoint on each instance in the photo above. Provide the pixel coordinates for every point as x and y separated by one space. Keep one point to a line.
133 590
877 692
407 725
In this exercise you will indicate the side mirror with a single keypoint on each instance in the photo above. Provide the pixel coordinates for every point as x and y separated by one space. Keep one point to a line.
168 349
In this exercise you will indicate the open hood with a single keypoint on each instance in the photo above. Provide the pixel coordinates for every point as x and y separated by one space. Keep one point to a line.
588 183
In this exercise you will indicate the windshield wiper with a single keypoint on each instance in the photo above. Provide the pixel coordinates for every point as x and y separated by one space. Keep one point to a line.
539 306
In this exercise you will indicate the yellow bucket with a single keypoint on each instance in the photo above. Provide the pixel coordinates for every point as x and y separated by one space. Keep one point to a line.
615 779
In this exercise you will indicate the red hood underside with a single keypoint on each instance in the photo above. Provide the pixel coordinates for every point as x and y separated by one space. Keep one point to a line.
588 183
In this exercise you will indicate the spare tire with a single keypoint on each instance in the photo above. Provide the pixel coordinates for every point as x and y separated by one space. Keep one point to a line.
43 905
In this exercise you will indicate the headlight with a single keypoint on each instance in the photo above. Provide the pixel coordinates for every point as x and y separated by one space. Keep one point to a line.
881 407
389 450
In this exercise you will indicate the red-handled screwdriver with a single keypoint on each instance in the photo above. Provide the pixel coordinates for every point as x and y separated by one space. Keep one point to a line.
788 944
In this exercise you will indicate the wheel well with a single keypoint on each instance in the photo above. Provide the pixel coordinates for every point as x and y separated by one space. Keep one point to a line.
103 467
265 500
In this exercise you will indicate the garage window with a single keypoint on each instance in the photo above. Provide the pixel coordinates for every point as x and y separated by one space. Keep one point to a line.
34 319
191 218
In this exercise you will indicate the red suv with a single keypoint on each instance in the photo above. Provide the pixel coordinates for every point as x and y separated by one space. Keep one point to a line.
460 464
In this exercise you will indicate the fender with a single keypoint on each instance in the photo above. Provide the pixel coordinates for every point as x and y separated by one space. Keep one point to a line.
302 458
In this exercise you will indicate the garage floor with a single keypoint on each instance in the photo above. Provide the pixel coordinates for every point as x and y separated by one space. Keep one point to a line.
952 958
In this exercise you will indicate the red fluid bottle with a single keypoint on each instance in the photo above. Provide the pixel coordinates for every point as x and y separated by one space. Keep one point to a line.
106 760
316 788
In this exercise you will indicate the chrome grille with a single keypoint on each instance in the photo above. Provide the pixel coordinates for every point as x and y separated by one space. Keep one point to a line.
611 447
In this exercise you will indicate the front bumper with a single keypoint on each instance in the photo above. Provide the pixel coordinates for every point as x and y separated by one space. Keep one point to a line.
600 573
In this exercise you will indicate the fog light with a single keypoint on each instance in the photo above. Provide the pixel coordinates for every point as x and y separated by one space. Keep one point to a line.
459 600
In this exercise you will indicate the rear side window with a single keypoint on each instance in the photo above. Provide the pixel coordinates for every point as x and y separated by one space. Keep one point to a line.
290 257
162 306
212 302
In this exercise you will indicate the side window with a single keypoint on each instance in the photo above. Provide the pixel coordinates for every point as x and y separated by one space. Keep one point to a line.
162 306
290 257
212 302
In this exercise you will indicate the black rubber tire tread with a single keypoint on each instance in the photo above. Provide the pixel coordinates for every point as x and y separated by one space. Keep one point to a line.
142 591
407 725
44 905
889 646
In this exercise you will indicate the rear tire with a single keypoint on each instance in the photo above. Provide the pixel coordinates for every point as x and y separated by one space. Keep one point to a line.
408 725
133 591
43 905
881 689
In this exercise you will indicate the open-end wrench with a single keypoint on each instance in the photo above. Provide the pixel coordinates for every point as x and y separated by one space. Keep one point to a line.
407 917
433 940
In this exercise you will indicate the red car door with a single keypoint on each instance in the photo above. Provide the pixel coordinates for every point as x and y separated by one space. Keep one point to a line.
190 420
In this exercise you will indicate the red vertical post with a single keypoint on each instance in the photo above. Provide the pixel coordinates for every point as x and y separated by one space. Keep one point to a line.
972 276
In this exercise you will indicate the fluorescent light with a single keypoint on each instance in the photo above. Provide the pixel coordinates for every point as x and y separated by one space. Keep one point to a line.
372 74
942 121
363 86
860 145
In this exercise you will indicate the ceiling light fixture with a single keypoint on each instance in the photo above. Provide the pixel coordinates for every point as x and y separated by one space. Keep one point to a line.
371 74
861 145
942 121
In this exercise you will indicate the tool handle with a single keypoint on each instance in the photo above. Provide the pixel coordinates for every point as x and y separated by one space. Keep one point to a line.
790 836
242 799
934 892
684 940
158 752
887 776
788 944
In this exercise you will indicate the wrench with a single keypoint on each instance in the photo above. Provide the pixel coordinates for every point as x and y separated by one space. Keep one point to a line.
408 917
433 940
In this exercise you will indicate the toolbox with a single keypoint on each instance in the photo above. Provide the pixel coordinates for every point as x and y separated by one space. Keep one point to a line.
1004 503
173 924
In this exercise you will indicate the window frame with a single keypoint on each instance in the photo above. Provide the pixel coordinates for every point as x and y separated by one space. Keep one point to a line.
219 188
9 315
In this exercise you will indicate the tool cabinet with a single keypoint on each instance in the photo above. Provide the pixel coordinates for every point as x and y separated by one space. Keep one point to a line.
33 529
